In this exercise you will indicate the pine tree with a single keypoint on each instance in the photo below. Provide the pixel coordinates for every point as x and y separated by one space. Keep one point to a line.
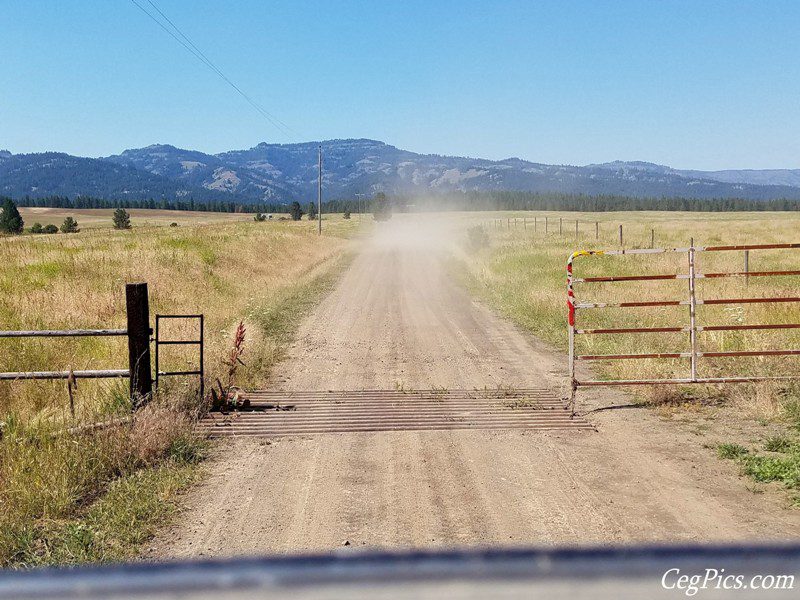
295 211
312 211
69 225
122 220
10 219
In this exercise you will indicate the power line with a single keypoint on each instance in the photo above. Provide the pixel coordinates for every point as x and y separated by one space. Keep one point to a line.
192 48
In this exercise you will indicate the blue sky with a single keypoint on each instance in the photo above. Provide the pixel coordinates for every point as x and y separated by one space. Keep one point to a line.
705 85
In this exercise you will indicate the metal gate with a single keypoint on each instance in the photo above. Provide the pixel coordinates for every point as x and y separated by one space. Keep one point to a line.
199 342
690 327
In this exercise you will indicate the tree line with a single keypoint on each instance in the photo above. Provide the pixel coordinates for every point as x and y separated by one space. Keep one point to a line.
461 201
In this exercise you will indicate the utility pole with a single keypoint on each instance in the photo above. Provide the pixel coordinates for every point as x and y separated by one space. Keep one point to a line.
360 210
319 194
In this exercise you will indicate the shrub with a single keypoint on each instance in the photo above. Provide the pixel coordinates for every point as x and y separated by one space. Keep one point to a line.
122 220
312 211
50 229
10 219
173 224
295 212
37 228
347 214
259 217
69 225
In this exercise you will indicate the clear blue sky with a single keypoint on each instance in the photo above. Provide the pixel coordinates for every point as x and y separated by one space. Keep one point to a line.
690 84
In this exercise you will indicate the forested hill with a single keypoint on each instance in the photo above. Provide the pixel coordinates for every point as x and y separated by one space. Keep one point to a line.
281 173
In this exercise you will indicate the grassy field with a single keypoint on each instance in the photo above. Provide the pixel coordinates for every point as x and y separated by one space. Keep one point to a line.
94 497
91 218
522 272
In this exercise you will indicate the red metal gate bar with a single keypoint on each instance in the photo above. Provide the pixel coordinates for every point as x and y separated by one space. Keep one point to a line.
751 353
708 380
746 274
748 327
634 330
687 329
617 278
630 304
748 247
633 356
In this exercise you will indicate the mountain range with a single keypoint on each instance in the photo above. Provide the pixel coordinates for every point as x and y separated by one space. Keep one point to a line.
278 173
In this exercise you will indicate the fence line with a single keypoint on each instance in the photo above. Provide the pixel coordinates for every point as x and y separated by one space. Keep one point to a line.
138 334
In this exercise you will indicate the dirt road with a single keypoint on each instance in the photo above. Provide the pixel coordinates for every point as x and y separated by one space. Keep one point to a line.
398 319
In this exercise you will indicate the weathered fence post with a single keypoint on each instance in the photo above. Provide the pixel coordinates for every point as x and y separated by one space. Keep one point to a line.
652 238
597 230
621 244
138 310
560 225
546 225
576 229
525 223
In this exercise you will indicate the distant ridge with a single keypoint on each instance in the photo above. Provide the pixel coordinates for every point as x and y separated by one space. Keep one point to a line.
285 172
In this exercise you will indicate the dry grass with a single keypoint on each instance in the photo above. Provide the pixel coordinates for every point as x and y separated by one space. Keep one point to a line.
91 218
72 498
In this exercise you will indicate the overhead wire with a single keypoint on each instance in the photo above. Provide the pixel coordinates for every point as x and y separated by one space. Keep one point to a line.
192 48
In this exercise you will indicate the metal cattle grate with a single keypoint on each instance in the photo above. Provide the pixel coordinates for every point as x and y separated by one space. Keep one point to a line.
276 413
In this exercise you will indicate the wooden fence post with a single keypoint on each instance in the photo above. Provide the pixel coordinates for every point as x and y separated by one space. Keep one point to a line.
560 225
545 225
621 243
597 230
576 229
652 238
138 309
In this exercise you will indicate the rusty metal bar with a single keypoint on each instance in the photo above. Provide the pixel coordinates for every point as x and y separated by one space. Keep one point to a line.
631 304
620 382
747 274
634 330
751 353
629 278
751 247
633 356
615 278
748 327
64 333
94 374
687 329
748 300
